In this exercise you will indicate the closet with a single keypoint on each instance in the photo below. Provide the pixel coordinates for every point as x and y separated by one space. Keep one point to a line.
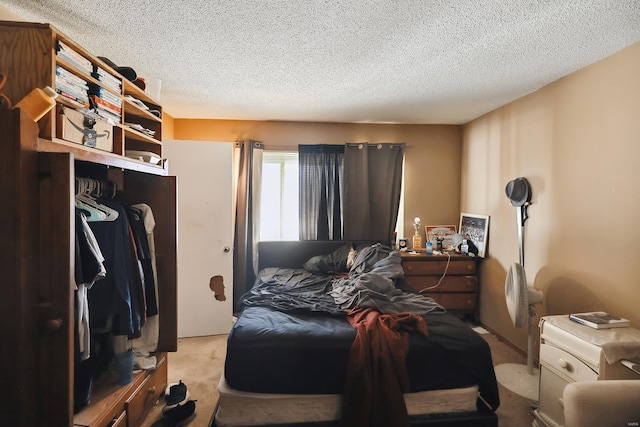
39 167
37 255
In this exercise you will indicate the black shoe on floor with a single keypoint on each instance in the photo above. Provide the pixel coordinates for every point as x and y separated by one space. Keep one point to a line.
179 416
175 394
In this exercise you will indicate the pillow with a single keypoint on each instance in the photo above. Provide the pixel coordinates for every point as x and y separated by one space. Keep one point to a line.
336 261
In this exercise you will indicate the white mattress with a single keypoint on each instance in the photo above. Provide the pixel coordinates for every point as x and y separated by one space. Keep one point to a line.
238 408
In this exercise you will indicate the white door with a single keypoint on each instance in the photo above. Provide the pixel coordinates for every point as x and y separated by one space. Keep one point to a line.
204 171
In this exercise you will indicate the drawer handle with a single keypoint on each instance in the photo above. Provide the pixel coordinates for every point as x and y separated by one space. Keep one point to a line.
151 391
565 365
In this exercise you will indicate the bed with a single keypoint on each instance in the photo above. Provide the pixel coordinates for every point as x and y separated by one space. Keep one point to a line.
291 358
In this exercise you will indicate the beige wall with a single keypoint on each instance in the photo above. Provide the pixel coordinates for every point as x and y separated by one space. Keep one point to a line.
433 153
168 126
578 143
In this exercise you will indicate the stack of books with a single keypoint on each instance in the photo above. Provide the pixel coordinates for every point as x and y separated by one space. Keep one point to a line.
107 104
599 320
107 79
71 86
74 58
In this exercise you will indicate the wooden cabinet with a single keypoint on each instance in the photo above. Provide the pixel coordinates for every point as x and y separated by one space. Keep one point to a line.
37 252
451 280
113 402
30 58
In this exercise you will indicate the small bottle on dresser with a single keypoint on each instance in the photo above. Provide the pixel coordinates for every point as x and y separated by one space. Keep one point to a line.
464 247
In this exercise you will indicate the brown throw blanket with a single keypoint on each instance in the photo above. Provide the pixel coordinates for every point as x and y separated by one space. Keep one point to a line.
377 373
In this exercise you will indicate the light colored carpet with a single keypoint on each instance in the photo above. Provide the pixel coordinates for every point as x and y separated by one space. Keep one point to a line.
514 410
199 362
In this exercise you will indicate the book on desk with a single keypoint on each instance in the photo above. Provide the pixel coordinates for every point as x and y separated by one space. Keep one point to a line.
599 320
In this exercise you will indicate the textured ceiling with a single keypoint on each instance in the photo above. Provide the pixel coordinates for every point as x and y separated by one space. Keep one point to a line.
390 61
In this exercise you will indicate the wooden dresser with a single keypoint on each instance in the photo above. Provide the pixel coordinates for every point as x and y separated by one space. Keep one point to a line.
451 281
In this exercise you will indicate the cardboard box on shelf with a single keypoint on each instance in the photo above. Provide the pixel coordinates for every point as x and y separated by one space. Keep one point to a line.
76 127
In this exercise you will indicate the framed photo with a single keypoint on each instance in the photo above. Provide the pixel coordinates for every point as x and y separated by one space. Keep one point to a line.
446 232
475 228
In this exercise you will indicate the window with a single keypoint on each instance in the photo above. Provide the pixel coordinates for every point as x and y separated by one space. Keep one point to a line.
279 217
279 196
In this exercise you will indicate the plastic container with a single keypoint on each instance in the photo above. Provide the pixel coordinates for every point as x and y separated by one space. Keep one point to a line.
464 247
38 102
429 248
124 367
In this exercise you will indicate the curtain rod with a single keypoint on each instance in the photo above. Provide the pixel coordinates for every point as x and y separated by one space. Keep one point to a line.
378 145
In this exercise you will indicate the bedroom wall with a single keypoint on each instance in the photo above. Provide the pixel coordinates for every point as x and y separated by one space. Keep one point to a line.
432 157
578 143
168 124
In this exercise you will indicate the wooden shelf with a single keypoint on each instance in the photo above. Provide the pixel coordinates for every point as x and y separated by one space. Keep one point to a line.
32 51
69 102
94 155
140 112
84 76
139 136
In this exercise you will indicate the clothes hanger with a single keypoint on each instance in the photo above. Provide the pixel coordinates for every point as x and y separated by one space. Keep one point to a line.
99 212
91 213
108 213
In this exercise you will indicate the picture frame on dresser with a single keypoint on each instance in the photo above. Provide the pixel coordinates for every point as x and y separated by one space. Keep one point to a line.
475 227
445 232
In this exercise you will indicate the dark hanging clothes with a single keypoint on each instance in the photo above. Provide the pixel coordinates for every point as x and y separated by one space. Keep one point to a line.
111 305
136 221
138 304
87 266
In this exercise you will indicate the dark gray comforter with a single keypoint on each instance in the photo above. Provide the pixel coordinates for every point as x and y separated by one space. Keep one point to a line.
370 283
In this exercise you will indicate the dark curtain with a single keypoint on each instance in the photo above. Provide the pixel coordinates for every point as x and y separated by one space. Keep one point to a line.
372 184
248 165
320 198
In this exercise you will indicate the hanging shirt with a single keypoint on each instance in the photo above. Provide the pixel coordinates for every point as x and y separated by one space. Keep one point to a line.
112 307
148 341
89 268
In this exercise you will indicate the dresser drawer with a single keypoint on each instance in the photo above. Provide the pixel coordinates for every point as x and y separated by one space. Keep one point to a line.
447 284
550 404
565 364
459 266
148 393
120 421
458 302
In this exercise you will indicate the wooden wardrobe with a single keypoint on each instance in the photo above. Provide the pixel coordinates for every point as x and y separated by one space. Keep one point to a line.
37 226
37 273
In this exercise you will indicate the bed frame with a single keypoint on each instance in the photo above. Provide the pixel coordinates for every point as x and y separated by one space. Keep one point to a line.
293 254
